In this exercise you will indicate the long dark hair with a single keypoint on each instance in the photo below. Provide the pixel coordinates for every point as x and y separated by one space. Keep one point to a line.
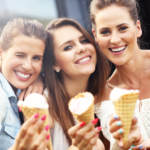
58 95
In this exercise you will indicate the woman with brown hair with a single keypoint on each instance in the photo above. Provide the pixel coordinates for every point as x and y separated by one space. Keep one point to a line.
22 47
71 66
116 29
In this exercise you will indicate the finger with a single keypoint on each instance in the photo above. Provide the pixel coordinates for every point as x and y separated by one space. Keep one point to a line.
20 139
80 134
116 125
72 131
84 145
27 125
113 119
118 134
134 122
41 141
139 147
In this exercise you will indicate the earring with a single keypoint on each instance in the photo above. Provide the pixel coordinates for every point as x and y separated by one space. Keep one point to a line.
57 70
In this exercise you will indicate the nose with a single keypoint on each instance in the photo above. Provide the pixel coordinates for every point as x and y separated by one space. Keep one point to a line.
80 48
115 38
27 64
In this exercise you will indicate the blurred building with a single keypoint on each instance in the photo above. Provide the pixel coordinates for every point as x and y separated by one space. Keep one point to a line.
45 10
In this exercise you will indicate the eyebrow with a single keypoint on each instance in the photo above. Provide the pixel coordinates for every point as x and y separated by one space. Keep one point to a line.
70 41
122 24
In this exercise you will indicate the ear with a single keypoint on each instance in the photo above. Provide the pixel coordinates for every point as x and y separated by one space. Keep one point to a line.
94 34
57 68
139 30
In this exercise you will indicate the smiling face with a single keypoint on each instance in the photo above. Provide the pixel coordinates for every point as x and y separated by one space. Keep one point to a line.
74 54
116 33
21 63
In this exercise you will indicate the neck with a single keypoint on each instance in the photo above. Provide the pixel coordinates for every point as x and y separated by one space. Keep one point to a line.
75 86
127 75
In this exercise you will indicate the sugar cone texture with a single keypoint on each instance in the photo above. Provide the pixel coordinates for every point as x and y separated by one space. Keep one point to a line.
29 112
31 105
125 107
84 107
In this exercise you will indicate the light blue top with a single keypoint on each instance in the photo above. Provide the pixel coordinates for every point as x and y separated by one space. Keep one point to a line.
9 120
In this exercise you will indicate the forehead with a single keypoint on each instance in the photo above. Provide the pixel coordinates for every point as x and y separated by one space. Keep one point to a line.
112 15
66 33
27 44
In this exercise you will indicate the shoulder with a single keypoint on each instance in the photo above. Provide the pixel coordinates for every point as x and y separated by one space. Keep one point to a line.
145 52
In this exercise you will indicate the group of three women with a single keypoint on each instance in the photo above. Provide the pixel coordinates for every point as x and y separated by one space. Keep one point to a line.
73 63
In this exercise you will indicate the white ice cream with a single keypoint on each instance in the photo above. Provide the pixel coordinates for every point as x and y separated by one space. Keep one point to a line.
34 100
79 105
116 93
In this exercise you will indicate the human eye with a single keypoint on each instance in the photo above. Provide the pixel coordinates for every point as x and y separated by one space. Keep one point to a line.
37 58
67 47
105 32
20 55
123 28
84 41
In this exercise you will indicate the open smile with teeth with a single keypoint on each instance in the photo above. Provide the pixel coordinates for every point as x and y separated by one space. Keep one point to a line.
22 75
83 60
117 49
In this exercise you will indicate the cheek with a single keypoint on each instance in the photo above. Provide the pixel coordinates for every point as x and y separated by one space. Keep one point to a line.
38 67
63 60
103 43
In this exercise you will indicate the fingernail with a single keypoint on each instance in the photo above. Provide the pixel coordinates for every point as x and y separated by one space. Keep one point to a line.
120 131
119 123
95 121
140 147
47 127
36 116
116 117
48 137
82 124
99 128
43 117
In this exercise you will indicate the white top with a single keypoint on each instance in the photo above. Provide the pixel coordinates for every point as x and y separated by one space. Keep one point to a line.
59 140
105 110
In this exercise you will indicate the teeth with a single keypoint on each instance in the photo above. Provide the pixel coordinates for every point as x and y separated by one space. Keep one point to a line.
23 75
84 60
118 49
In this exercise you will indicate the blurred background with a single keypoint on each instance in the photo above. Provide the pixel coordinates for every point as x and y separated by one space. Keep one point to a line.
45 10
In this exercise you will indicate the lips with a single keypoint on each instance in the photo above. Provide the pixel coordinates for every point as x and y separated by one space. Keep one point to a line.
22 76
83 60
117 49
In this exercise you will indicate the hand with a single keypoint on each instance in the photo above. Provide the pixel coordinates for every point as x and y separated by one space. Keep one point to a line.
32 135
86 136
36 87
116 129
145 145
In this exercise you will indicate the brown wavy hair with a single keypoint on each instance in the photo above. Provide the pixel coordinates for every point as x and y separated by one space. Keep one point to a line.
58 95
97 5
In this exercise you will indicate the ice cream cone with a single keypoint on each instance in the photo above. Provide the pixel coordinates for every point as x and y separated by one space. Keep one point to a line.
82 107
28 109
124 104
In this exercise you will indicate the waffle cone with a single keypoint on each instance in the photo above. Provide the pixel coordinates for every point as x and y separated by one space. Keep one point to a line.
28 112
125 108
88 114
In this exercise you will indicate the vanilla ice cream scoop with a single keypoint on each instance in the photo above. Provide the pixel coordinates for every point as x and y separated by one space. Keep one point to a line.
82 107
36 103
34 100
116 93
